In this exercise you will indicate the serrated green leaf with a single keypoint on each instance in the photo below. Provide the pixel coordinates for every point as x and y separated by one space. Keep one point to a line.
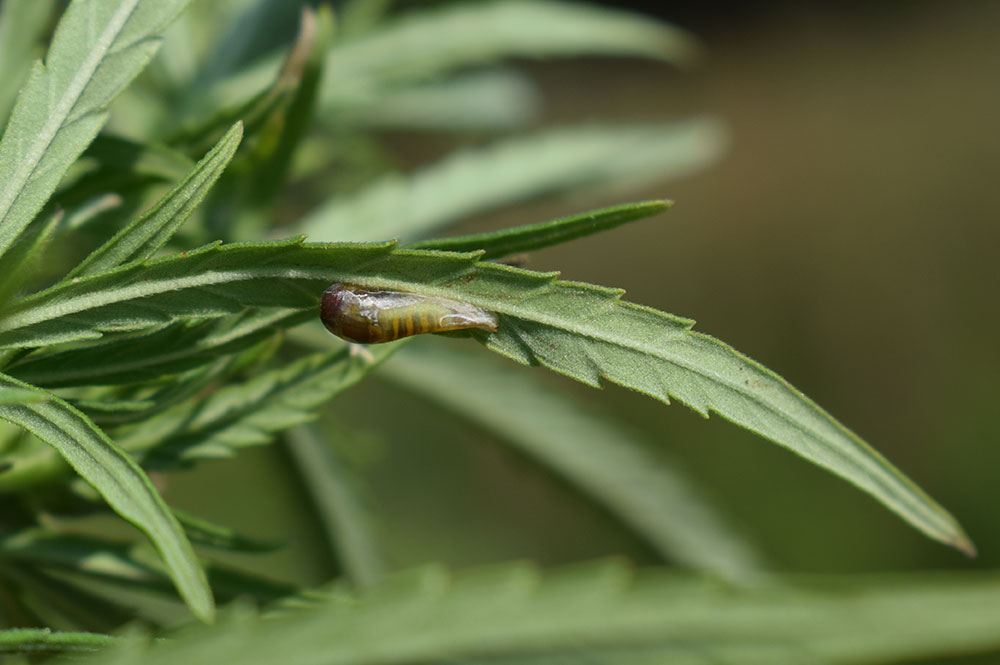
141 238
497 244
176 348
108 413
98 48
45 641
345 522
475 181
120 481
22 26
513 611
580 330
603 458
249 413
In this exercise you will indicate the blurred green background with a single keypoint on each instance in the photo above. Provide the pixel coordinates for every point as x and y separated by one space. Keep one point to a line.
846 239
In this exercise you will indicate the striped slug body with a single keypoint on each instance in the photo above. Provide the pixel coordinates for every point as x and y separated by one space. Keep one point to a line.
371 316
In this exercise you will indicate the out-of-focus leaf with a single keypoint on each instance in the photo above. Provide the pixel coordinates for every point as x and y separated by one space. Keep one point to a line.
427 44
149 160
360 16
510 611
66 605
602 458
492 99
44 641
99 46
141 238
505 242
287 128
346 523
207 533
125 565
22 25
476 181
120 481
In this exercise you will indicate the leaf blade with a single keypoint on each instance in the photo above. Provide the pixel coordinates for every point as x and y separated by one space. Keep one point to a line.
120 481
497 244
583 331
82 74
513 611
150 231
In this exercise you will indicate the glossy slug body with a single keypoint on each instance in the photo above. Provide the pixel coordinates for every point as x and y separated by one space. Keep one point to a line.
371 316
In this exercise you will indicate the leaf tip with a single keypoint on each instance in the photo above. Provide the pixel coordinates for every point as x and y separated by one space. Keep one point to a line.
964 544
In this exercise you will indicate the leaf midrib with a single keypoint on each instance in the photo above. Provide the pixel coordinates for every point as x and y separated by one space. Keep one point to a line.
57 119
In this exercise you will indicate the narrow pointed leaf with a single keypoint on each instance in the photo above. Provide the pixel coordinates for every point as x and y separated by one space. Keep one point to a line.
287 128
514 611
22 26
222 537
98 48
174 349
345 521
12 396
124 564
35 641
249 413
497 244
602 458
141 238
120 481
583 331
476 181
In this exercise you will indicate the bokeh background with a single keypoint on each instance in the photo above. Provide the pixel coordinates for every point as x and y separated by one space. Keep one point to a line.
847 238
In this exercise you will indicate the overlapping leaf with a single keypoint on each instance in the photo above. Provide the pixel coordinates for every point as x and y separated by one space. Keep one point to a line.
249 413
145 235
580 330
99 46
120 481
171 350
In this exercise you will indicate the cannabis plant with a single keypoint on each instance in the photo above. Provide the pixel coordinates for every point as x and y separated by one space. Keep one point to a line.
180 185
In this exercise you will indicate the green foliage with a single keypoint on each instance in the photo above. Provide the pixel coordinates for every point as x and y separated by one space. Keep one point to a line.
139 337
509 612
